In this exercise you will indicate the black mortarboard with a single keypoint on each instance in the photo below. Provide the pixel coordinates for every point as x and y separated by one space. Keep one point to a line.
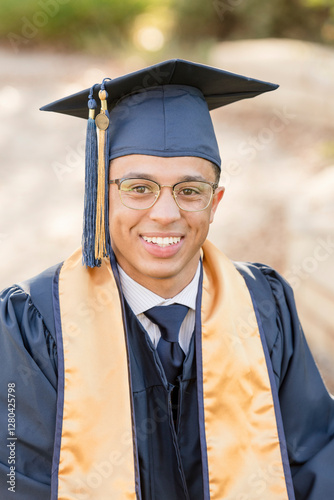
162 110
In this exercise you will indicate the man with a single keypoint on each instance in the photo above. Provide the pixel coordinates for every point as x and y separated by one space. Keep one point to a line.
147 365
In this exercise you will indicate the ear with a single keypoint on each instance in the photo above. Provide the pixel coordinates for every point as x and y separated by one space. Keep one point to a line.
217 197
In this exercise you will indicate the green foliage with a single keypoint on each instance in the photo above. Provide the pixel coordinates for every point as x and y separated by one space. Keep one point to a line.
70 22
241 19
318 3
90 24
283 19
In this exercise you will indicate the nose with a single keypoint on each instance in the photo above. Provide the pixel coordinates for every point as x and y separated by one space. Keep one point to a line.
165 210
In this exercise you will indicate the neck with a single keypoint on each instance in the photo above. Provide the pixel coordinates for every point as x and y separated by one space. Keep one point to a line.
166 288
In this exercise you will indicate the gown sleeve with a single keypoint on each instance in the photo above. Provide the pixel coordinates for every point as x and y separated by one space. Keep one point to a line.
28 392
306 406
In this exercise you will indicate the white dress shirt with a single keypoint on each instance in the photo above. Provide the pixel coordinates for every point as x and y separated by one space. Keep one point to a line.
140 299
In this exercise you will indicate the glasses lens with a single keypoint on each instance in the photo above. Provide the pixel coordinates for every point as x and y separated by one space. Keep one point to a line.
193 196
138 193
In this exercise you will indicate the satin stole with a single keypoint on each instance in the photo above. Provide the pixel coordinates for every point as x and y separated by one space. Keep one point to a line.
97 447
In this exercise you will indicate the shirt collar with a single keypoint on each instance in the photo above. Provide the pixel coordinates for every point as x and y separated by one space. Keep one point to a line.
141 299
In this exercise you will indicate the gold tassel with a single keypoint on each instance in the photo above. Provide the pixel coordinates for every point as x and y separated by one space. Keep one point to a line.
102 123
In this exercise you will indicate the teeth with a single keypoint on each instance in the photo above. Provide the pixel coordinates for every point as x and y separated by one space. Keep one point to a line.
162 242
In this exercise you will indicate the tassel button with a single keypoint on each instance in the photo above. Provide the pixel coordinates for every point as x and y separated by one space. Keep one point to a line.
102 121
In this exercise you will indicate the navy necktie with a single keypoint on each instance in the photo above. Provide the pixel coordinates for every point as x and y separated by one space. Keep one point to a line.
169 320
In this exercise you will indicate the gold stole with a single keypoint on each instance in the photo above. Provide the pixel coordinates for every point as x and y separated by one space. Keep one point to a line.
97 458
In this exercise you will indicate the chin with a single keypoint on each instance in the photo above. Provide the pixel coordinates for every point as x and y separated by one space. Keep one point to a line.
162 273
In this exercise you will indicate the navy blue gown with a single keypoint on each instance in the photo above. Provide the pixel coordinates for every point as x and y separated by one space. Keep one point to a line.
28 353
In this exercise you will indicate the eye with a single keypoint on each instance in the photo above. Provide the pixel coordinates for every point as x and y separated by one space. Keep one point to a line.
137 186
188 191
141 189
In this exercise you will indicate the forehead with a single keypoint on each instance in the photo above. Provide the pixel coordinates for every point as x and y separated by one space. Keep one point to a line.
160 168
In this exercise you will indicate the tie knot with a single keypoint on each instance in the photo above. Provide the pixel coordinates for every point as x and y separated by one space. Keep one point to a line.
169 320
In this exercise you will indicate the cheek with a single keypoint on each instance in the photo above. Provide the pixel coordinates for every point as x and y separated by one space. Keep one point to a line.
115 219
117 223
122 221
199 225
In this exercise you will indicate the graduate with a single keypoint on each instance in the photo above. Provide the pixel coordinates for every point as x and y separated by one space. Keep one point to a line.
148 366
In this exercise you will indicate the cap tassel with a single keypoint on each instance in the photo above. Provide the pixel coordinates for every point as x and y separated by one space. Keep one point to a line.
102 123
89 223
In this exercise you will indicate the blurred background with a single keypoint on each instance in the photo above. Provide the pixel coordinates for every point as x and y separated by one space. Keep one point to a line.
277 149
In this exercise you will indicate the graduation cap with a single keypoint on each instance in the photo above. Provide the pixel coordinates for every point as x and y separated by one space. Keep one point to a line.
161 110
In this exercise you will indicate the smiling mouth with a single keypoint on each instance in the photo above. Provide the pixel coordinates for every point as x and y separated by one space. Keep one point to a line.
162 242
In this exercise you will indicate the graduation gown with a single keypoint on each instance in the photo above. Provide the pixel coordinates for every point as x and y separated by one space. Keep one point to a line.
28 353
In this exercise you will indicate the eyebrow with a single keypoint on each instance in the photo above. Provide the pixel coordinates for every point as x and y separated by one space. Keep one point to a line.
194 178
186 178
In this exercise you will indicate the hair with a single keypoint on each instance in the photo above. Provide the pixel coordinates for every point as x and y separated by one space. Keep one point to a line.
217 172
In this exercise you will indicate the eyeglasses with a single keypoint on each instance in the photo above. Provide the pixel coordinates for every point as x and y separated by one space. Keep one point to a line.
141 194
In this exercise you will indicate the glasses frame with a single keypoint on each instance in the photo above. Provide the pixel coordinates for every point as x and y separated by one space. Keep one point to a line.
118 182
